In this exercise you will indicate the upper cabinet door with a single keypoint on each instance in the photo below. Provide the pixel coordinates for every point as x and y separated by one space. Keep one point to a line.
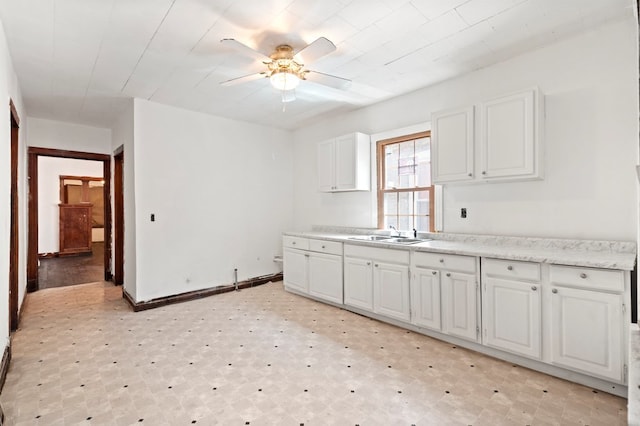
326 165
344 163
452 145
509 137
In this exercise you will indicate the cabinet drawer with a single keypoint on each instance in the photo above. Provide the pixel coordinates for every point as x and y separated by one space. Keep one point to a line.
588 278
329 247
295 242
373 253
510 269
450 262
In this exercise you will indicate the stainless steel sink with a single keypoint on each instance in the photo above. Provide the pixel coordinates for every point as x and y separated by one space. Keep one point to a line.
371 238
401 240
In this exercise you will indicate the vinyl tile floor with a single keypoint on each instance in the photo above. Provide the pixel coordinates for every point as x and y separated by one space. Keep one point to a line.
263 356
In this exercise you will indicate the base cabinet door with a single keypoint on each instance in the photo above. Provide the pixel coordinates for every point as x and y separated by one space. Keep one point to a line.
425 298
325 277
391 290
295 264
511 316
459 305
586 331
358 283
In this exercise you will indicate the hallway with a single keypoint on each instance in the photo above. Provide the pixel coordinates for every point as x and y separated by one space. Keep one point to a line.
263 356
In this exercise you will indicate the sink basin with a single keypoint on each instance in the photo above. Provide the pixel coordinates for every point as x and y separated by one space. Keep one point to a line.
401 240
371 238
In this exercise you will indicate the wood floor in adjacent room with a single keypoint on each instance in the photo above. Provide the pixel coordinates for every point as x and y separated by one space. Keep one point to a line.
263 356
72 270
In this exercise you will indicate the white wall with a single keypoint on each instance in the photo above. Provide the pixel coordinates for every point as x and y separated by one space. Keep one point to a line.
68 136
123 135
590 83
49 171
9 89
221 191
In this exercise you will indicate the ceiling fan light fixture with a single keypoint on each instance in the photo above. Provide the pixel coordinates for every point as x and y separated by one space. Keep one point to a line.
284 80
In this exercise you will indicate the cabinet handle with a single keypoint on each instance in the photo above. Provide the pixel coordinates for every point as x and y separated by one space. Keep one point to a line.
448 274
376 265
434 273
583 275
323 247
554 291
368 263
534 288
441 260
484 173
509 268
306 255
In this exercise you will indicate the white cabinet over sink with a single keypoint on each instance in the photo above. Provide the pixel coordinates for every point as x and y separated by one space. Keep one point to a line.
505 143
344 163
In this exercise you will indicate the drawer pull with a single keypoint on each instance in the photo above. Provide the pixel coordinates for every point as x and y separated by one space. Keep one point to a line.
306 255
448 274
534 288
294 243
470 174
434 273
323 247
441 260
368 263
554 291
509 268
376 265
583 275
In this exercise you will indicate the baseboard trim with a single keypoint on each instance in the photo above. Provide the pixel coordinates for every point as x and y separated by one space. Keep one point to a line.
197 294
48 255
4 364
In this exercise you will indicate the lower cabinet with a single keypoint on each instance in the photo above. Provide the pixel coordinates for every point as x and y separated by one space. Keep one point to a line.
511 306
313 267
425 298
377 280
587 327
445 294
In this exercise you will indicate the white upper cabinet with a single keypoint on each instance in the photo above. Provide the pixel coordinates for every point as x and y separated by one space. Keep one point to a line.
452 145
504 145
344 163
509 137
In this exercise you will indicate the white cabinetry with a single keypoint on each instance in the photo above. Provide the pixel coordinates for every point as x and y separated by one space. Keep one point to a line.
452 145
587 321
313 267
511 306
425 298
508 145
459 293
344 163
377 280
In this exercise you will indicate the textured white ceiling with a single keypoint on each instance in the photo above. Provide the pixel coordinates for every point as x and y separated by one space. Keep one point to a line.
80 60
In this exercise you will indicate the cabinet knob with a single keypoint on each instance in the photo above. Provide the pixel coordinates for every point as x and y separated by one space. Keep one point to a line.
534 288
376 265
368 263
294 243
470 174
554 291
323 247
441 260
583 275
434 273
448 274
484 173
509 268
306 255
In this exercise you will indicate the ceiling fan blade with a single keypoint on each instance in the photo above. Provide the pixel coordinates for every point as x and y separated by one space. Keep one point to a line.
244 49
244 79
317 49
327 80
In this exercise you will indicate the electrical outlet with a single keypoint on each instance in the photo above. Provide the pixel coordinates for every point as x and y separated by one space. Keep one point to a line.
153 217
463 212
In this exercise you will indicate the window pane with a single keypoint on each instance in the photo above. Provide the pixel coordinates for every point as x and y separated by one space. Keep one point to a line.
391 203
407 164
422 223
423 161
391 155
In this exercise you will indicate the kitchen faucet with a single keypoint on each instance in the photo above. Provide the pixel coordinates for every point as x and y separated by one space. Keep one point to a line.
394 228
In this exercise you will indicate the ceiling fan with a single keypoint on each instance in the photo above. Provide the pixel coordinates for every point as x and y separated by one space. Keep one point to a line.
286 68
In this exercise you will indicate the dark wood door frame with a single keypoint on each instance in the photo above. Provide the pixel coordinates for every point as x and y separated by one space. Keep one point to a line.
32 249
14 238
118 216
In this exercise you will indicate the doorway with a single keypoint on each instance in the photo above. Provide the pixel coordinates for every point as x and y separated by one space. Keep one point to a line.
32 252
14 229
118 216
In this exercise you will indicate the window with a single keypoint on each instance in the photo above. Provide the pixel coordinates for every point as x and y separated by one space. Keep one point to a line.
405 191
